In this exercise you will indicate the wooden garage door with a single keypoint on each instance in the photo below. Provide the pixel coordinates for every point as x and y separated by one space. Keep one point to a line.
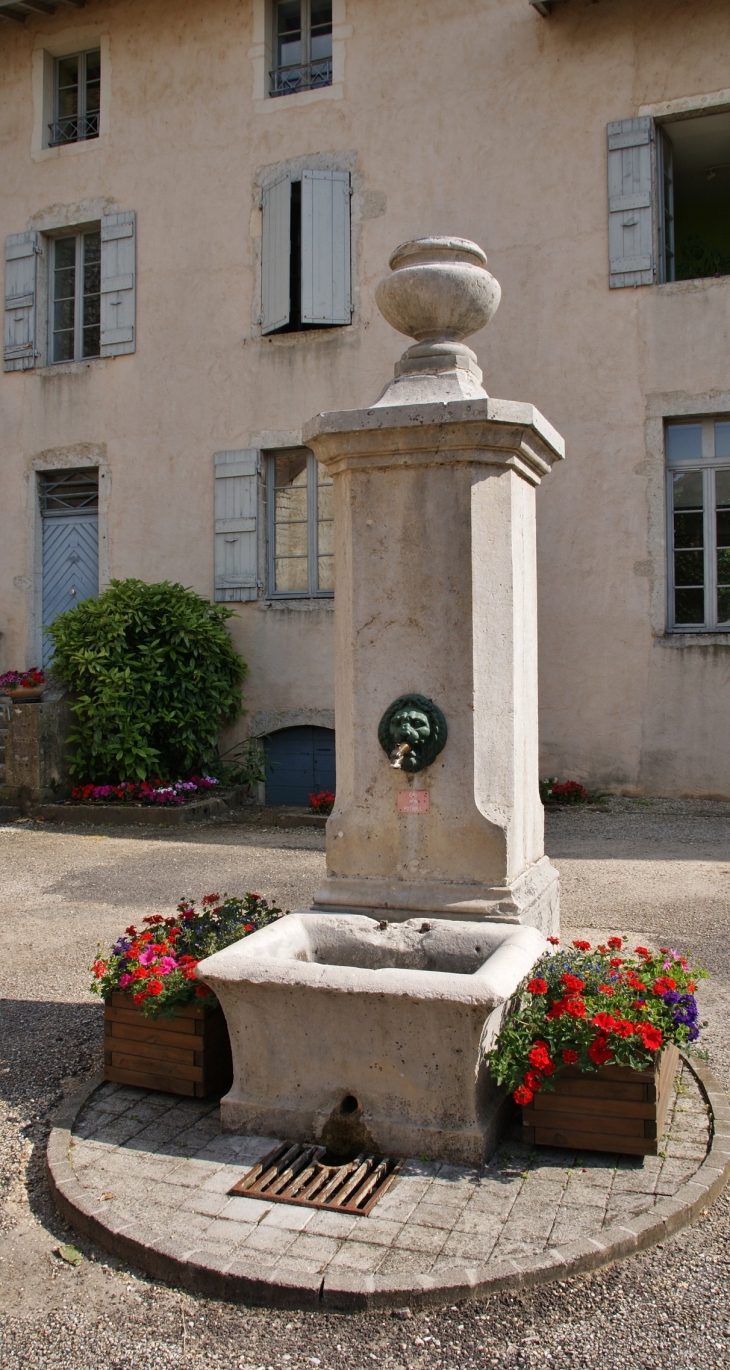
299 762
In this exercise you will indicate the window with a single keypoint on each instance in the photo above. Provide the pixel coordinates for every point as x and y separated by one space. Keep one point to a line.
305 251
695 159
698 484
300 527
90 275
668 199
77 85
302 46
76 297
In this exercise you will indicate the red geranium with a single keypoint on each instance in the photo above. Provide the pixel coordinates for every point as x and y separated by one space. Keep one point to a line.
569 1056
572 983
539 1056
533 1080
606 989
615 943
538 987
575 1008
663 985
554 940
582 946
599 1050
523 1095
652 1037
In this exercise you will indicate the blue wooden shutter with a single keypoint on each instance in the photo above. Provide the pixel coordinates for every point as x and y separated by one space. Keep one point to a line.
631 202
326 247
236 547
118 270
275 253
21 253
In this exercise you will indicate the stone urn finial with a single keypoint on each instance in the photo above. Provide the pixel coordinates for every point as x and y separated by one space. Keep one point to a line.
439 293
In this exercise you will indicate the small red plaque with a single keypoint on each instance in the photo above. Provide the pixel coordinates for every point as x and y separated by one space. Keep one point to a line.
413 801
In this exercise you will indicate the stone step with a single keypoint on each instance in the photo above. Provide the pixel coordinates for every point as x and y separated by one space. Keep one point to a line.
9 812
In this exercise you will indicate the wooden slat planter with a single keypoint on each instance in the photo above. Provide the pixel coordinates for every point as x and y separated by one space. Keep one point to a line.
616 1110
187 1054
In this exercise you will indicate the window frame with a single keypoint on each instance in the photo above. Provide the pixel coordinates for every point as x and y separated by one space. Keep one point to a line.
82 111
79 234
305 29
313 591
707 464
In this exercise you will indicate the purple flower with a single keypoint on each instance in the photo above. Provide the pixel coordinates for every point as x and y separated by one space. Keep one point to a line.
671 997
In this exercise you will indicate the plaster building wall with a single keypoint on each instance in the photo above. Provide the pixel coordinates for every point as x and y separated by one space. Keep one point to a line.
474 117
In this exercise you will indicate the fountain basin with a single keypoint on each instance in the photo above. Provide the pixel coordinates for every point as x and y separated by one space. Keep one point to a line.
366 1035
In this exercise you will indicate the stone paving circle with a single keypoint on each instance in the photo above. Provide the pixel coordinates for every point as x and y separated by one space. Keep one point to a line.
147 1176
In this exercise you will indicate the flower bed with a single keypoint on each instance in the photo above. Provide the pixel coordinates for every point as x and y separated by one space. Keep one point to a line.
569 792
587 1011
322 802
145 791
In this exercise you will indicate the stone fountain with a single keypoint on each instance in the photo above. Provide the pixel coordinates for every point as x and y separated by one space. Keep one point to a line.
362 1018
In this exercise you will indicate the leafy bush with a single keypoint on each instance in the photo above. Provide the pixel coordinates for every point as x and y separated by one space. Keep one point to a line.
155 677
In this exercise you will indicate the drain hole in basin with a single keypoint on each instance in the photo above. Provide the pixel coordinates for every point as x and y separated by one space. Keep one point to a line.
349 1104
344 1134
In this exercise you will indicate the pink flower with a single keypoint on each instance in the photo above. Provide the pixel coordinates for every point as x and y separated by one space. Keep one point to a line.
167 963
124 980
147 957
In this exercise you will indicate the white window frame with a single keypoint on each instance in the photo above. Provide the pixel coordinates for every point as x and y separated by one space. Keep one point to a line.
313 591
82 112
79 234
707 463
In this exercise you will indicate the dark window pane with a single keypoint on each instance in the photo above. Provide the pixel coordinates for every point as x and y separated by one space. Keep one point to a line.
68 72
289 33
689 606
722 439
722 489
689 568
688 530
63 347
723 527
92 341
723 604
63 314
723 566
92 310
687 490
684 442
321 35
65 252
93 65
64 284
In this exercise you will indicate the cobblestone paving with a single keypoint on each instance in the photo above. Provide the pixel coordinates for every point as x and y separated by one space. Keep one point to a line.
163 1162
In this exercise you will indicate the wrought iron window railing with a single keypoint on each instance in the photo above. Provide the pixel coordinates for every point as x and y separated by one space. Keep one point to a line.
74 129
301 76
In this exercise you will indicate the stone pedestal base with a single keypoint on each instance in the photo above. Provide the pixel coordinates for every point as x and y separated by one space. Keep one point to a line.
533 899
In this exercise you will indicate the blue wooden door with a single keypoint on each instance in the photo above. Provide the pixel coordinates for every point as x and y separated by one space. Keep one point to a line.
299 762
70 566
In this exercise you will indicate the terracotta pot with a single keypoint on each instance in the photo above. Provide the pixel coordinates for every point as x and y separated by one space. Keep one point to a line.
187 1054
615 1110
26 693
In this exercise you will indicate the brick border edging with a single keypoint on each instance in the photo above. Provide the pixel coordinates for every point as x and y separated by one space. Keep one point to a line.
352 1291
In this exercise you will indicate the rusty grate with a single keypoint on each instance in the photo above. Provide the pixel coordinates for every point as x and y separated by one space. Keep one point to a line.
294 1173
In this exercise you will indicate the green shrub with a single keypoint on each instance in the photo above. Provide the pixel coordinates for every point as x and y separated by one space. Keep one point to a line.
155 677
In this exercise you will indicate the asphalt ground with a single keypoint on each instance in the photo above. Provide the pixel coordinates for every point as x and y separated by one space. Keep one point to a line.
658 872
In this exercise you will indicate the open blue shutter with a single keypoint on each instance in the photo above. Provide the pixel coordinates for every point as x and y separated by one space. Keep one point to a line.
326 247
236 507
118 269
275 253
21 253
631 202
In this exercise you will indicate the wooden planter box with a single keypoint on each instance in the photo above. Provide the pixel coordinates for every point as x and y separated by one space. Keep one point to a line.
187 1054
616 1110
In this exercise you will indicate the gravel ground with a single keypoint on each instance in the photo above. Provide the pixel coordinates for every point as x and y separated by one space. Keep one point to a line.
658 871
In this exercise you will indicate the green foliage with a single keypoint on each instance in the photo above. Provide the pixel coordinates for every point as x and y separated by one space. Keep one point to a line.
696 259
155 677
243 764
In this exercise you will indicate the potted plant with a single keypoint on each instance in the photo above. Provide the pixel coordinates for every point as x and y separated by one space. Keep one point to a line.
590 1044
322 801
23 685
163 1029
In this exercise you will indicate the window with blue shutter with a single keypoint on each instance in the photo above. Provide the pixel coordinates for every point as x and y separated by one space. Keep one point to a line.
236 519
631 202
21 256
305 252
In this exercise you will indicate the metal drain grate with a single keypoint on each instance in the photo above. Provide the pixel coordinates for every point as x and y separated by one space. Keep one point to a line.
294 1173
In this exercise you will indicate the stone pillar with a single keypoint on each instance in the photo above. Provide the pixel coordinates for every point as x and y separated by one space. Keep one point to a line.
436 595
